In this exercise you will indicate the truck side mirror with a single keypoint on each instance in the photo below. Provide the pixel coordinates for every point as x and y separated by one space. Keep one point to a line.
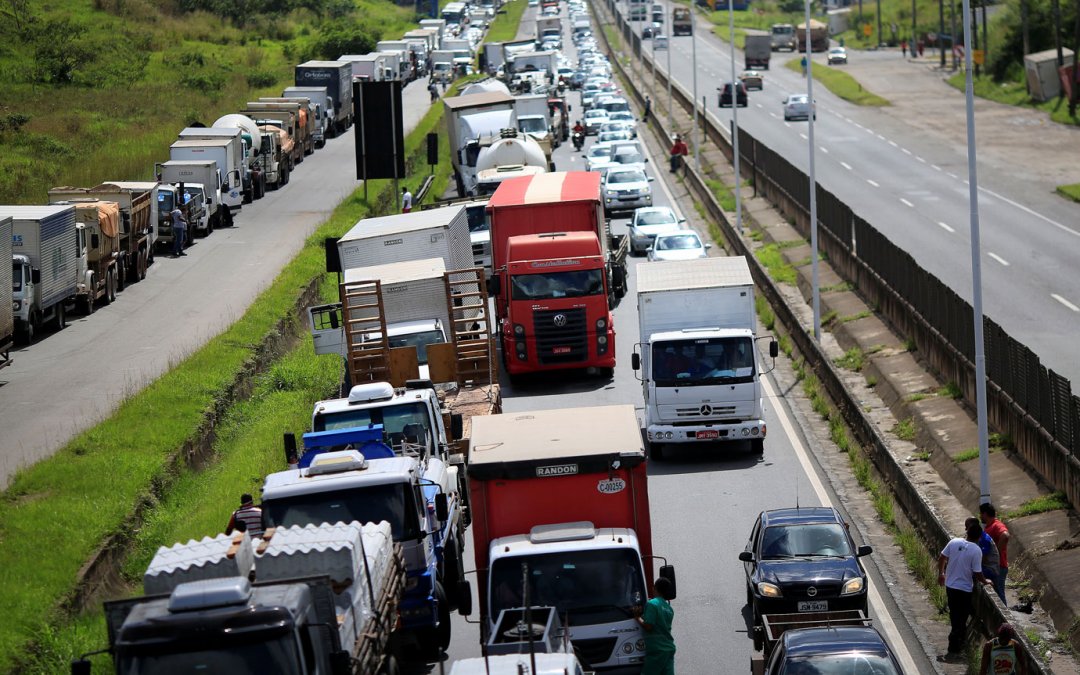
774 349
746 556
635 361
668 572
494 285
291 456
864 551
95 241
464 598
35 275
457 426
80 667
442 507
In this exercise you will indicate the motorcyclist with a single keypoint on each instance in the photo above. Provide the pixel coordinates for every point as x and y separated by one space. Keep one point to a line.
579 135
578 129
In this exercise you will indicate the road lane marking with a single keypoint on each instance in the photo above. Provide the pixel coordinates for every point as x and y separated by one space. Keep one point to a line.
1065 302
893 143
900 648
846 165
857 124
998 258
947 228
759 105
936 167
920 159
872 183
1031 212
802 136
905 151
950 174
823 149
906 202
880 136
869 131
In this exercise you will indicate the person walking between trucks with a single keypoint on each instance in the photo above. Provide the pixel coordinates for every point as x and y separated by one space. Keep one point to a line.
179 231
648 109
433 89
248 514
803 63
656 619
678 151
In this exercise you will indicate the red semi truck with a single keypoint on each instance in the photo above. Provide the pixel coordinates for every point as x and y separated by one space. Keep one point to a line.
560 498
557 272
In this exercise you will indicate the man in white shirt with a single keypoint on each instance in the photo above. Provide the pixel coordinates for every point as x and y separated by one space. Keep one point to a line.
406 200
959 567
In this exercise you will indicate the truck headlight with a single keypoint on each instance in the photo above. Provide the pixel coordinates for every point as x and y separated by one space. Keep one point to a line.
411 583
852 586
767 590
628 647
601 324
16 305
640 644
519 329
602 339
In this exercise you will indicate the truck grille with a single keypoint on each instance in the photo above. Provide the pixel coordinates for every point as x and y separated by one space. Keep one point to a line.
720 411
594 651
565 343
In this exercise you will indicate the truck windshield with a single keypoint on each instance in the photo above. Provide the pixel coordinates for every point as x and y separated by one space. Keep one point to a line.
419 340
165 202
591 587
233 658
703 361
478 221
399 421
533 125
552 285
16 277
392 502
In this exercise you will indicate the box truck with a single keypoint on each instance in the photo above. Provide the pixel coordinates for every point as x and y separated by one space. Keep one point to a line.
322 104
223 153
98 235
205 174
336 76
435 233
45 266
7 293
239 152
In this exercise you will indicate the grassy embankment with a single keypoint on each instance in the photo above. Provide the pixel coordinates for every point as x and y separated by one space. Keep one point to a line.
840 83
505 26
1070 191
1014 92
97 91
89 489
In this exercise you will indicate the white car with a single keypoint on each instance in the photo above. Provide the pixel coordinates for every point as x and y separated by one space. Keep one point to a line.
659 42
598 155
797 107
594 119
615 135
650 222
678 246
628 154
620 125
626 189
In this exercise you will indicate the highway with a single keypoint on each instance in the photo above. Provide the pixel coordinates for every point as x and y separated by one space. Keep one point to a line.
703 499
912 186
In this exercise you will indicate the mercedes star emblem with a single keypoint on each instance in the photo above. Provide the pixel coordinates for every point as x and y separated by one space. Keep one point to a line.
706 410
559 320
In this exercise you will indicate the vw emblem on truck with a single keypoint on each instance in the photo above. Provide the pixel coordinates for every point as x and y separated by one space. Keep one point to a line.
559 320
705 410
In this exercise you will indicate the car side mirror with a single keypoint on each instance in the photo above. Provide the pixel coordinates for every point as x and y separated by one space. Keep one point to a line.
648 250
668 572
746 556
35 275
651 179
864 551
457 426
464 594
774 349
708 246
635 361
442 507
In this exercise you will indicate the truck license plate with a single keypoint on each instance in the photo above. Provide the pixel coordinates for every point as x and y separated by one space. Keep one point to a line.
814 606
560 350
706 435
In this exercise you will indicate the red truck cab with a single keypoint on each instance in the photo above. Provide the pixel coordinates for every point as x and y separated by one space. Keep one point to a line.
552 268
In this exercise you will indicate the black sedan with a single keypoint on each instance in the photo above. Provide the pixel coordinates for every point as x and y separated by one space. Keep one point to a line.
741 98
803 560
841 649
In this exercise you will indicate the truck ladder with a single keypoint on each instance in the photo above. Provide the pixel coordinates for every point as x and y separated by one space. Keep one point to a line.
367 347
470 327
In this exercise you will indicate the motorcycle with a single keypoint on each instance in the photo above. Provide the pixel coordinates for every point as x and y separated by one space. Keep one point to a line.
579 140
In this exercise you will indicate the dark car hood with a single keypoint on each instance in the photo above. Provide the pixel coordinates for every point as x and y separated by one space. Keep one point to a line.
812 569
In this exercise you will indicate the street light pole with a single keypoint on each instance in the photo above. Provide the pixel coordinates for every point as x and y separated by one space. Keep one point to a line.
670 111
813 179
697 145
976 271
941 33
735 118
879 40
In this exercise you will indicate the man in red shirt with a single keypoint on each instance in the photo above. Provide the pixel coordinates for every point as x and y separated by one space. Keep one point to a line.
678 151
1000 534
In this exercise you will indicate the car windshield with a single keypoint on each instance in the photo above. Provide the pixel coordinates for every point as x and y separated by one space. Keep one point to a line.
851 663
797 99
616 177
595 114
804 540
419 340
586 587
392 502
677 242
703 361
554 285
535 125
396 420
165 202
237 654
595 152
629 157
655 217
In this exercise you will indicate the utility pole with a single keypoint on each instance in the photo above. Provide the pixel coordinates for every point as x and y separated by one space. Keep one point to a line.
941 32
1056 6
697 145
735 119
1024 25
815 286
880 39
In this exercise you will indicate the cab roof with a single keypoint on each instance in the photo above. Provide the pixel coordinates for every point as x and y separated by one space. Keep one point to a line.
560 186
838 639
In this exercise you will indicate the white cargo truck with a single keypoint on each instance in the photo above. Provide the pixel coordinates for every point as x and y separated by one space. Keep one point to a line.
7 292
204 173
698 359
239 152
468 118
317 599
45 265
224 153
436 233
367 67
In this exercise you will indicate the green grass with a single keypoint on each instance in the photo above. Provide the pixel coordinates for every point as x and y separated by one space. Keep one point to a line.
966 455
1070 191
1014 92
905 429
1051 502
96 479
951 390
855 317
773 260
914 398
505 26
840 83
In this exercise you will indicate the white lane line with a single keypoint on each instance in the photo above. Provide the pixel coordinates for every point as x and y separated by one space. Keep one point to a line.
759 105
823 149
920 159
936 167
950 174
869 131
1065 302
857 124
774 115
906 203
947 228
880 614
998 258
872 183
880 136
893 143
905 151
787 124
1031 212
846 165
802 136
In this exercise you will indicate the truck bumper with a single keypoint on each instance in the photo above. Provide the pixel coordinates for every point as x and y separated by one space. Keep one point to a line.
746 430
531 364
418 608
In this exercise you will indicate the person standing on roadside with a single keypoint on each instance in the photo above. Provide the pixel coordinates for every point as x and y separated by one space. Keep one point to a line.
678 151
648 109
903 48
248 514
179 231
1000 534
990 553
1003 654
959 566
406 200
656 619
803 63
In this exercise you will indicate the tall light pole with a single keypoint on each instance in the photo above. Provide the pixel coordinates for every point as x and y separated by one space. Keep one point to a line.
813 179
976 271
697 145
670 113
735 118
941 33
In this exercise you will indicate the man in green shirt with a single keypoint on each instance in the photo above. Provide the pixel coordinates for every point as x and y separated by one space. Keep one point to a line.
656 620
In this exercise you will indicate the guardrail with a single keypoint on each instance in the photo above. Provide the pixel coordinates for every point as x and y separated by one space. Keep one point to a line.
988 610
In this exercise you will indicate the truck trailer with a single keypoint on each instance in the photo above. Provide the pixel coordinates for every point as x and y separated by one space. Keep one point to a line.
224 153
7 293
45 266
321 102
588 551
336 76
697 356
757 49
467 119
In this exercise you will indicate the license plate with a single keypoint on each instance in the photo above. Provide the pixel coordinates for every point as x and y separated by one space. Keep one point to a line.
707 434
560 350
814 606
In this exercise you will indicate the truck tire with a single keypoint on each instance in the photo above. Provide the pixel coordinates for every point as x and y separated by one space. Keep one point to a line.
121 273
443 631
390 666
143 263
452 573
29 330
757 446
88 304
655 451
60 319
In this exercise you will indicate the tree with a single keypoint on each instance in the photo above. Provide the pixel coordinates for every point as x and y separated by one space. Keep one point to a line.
342 38
59 50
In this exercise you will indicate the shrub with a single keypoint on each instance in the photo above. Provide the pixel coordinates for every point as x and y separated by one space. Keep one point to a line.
341 38
260 79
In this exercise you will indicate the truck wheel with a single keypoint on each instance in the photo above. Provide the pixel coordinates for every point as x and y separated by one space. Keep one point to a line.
110 286
390 666
757 446
30 329
88 304
443 630
142 264
121 274
452 573
655 451
60 320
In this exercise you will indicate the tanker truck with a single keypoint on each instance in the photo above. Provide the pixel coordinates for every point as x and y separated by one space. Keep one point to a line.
508 155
